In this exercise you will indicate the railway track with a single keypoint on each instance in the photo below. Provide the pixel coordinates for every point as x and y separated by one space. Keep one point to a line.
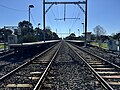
6 54
67 63
28 76
96 48
72 73
107 73
108 55
45 73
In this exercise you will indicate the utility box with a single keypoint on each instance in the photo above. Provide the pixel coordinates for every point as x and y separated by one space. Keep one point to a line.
119 47
12 39
112 45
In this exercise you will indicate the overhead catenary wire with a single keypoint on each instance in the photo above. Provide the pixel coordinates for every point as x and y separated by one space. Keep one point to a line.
58 14
18 10
73 14
55 17
78 14
33 19
49 21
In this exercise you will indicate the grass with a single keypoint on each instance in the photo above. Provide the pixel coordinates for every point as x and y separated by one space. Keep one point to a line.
103 45
1 46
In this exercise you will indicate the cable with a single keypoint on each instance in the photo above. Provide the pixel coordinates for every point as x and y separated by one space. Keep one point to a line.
73 14
33 19
13 8
76 19
58 17
55 17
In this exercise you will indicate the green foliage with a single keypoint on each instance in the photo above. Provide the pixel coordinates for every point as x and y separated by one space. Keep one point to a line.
28 34
25 27
39 34
72 36
1 46
55 36
98 30
116 36
4 33
103 45
29 38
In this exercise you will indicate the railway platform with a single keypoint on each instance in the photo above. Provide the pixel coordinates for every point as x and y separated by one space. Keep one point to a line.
31 48
76 42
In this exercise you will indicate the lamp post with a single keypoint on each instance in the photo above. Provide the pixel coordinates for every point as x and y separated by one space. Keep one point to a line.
69 31
30 6
86 11
44 19
78 32
83 27
38 25
4 39
119 45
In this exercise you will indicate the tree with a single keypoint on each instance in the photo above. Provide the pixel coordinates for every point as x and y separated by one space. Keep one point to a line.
72 36
27 32
4 33
49 35
55 36
39 34
98 30
1 34
25 27
93 37
116 36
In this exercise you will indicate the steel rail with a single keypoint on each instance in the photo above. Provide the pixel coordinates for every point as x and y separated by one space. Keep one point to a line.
105 50
7 54
26 63
116 66
42 78
99 78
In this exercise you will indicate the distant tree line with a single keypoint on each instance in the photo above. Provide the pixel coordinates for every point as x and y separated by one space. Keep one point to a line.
72 36
99 35
25 33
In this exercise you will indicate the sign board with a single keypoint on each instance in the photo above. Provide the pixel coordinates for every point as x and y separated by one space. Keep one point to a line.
12 39
119 46
19 31
112 45
1 36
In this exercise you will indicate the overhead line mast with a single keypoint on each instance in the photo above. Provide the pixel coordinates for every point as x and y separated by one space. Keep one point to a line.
76 3
79 2
44 18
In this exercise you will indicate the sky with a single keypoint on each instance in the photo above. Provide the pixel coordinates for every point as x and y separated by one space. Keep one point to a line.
105 13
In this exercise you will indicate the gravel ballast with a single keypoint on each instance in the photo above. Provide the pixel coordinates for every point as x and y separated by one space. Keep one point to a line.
72 73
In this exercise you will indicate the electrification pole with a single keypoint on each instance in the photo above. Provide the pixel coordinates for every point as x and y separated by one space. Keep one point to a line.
83 27
44 18
75 3
86 23
30 6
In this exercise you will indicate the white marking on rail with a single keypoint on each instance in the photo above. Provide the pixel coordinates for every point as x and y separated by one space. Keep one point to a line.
20 85
34 78
35 72
111 77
